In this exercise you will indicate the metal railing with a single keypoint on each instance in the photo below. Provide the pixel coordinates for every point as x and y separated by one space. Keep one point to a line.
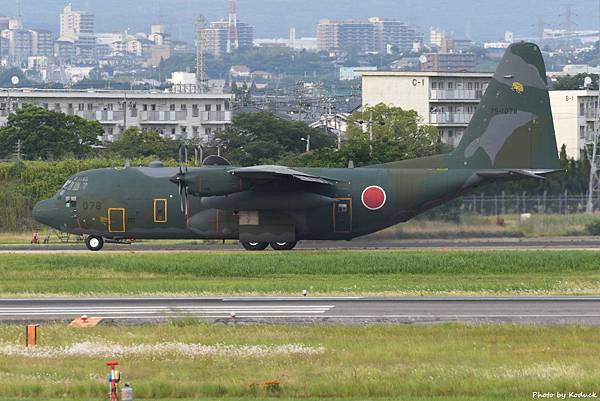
450 118
564 203
456 94
158 116
215 116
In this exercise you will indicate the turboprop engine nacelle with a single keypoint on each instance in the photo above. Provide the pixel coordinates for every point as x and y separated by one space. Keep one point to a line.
211 182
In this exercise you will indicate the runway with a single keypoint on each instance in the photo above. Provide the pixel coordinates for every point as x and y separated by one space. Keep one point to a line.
367 243
297 310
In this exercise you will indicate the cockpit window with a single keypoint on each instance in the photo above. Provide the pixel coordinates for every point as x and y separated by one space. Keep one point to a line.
74 184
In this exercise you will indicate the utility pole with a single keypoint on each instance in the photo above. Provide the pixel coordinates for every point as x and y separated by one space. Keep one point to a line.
594 179
18 150
307 140
371 133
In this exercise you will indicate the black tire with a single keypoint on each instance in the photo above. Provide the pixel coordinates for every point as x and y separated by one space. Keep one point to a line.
94 243
255 246
283 246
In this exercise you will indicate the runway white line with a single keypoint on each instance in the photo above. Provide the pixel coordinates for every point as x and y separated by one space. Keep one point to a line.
257 307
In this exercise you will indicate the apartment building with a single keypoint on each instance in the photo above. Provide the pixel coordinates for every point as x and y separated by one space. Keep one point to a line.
78 26
174 115
448 62
215 37
374 34
446 100
575 115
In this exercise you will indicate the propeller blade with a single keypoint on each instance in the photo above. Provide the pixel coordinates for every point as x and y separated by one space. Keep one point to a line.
185 152
180 184
180 150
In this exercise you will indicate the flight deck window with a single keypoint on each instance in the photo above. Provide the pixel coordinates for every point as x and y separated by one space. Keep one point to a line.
71 201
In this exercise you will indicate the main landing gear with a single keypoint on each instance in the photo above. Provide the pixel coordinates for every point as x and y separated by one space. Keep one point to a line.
94 243
261 246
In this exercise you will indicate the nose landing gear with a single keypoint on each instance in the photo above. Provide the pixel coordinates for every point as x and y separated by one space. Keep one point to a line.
94 243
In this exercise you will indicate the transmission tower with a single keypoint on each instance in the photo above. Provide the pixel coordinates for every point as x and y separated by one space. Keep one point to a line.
201 42
540 29
232 31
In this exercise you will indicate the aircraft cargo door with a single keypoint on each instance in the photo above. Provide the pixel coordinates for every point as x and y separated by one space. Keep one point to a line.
342 215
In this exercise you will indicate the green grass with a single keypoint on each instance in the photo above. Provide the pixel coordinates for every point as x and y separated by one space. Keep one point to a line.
320 272
447 362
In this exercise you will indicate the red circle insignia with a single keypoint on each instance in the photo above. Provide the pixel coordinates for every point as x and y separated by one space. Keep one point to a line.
373 197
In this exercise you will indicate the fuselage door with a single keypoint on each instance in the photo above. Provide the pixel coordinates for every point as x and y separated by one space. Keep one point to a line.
116 220
342 215
160 211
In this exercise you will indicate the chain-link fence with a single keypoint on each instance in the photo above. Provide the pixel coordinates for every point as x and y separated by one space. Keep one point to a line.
526 203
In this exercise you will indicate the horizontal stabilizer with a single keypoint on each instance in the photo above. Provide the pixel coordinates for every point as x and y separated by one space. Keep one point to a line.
512 174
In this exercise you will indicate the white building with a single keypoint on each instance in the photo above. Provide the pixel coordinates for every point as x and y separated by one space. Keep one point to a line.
174 115
79 27
446 100
575 115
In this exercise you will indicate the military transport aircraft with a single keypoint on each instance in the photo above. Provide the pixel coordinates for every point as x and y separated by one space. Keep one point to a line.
510 137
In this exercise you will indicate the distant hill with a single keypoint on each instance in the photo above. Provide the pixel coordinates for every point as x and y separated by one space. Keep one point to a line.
488 19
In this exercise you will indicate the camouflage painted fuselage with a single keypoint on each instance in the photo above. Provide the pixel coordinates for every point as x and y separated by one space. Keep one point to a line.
143 203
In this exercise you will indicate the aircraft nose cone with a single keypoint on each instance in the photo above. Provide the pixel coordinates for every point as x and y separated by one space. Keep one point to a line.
43 212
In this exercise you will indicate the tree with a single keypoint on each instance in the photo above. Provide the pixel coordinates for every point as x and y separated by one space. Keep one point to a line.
397 135
48 135
134 143
259 138
571 82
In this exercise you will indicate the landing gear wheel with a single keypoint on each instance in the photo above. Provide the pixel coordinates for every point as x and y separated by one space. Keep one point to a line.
283 246
255 246
94 243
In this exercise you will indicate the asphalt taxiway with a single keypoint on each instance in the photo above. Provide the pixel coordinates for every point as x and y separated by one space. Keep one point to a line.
293 310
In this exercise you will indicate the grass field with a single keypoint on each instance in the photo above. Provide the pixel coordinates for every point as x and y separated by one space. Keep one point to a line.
320 272
388 362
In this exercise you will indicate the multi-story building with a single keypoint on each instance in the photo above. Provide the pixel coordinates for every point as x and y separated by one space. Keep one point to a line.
215 37
448 62
339 35
575 115
374 34
174 115
20 44
436 36
4 22
79 26
43 43
64 50
391 32
442 99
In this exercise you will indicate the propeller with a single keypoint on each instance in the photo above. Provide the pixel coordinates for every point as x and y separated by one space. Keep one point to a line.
179 179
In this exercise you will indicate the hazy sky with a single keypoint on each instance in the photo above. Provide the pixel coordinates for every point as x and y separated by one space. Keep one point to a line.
488 19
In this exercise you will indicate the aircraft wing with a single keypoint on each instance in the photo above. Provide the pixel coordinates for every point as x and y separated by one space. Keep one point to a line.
511 174
269 172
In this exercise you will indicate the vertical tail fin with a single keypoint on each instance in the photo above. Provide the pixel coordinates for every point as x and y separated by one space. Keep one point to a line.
512 126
